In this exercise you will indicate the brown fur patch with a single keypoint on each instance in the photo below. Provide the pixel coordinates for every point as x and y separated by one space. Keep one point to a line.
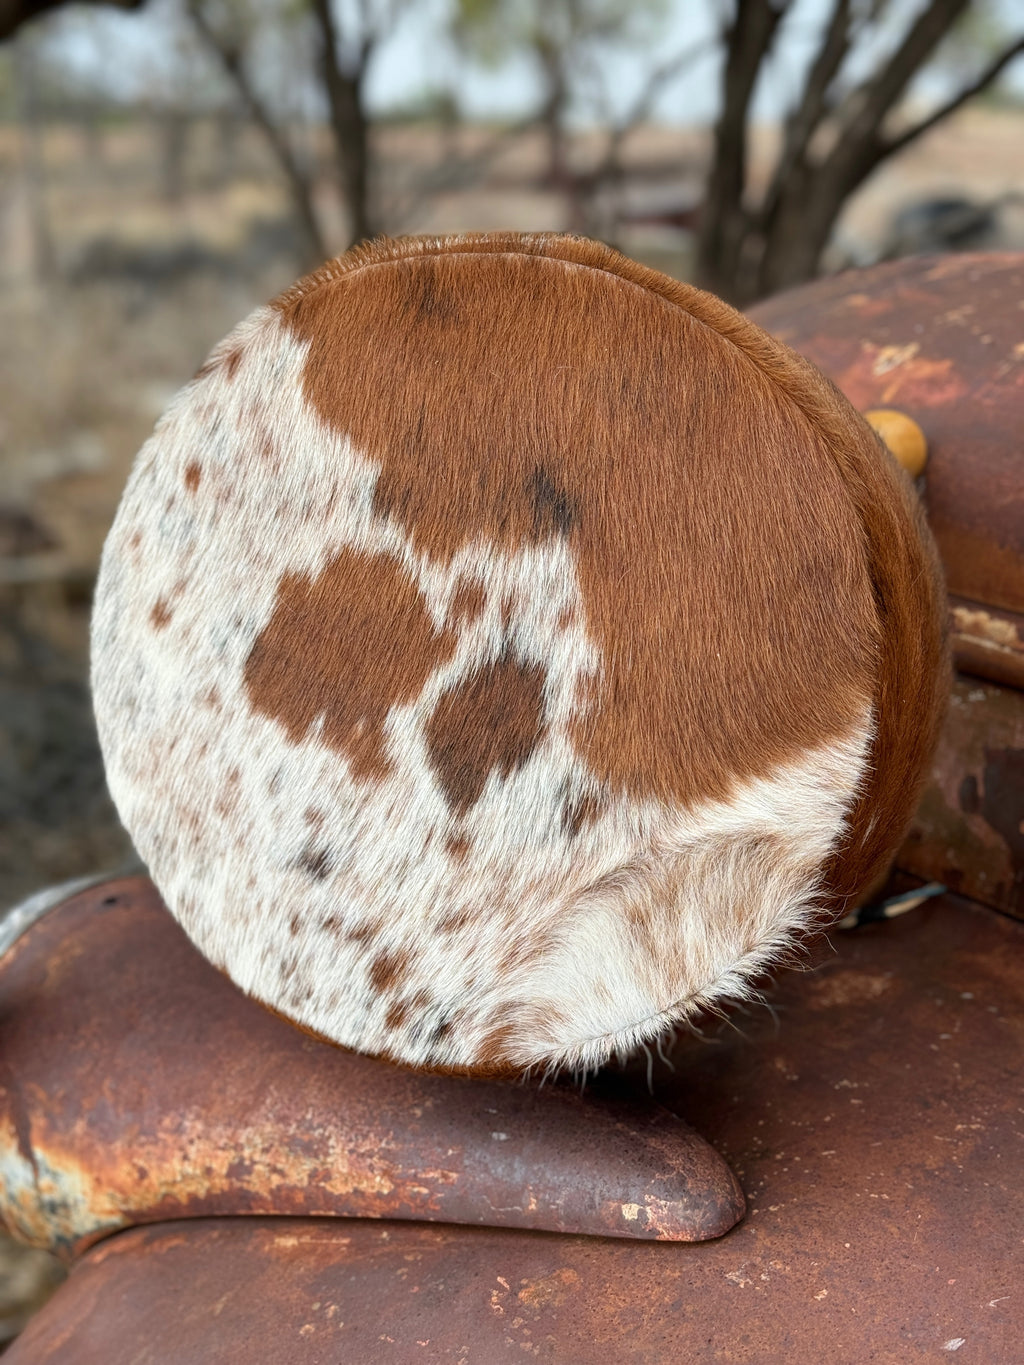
388 970
455 921
193 476
605 410
457 846
161 614
347 646
467 602
684 454
315 862
584 810
490 722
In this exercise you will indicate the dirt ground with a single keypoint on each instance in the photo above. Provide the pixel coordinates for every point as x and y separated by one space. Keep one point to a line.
110 305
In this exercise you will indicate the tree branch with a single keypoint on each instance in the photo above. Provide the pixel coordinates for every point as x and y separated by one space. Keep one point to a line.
299 186
804 120
985 79
344 86
747 42
14 13
873 101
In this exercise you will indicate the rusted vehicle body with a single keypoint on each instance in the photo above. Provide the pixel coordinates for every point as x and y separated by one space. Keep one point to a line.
230 1189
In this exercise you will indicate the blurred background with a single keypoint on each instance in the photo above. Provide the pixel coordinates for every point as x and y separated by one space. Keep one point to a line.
165 166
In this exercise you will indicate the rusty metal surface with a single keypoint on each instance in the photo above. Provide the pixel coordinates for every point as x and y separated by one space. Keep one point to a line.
138 1084
877 1125
941 339
988 641
969 828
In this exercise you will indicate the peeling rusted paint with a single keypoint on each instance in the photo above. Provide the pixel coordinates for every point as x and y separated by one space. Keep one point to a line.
988 642
885 1222
968 832
939 339
138 1085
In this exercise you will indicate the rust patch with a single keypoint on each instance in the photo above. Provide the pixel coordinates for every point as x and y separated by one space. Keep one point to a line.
193 476
491 722
346 647
457 846
550 1291
161 614
847 987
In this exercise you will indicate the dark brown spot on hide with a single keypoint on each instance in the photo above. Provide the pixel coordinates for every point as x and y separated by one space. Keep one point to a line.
388 970
161 614
553 509
468 601
345 647
493 1054
232 361
397 1015
315 862
443 1028
457 846
365 933
193 476
582 810
455 921
492 721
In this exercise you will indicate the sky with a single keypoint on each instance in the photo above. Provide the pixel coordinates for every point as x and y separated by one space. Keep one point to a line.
127 54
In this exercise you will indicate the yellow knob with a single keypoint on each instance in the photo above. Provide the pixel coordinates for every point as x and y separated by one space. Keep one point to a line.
903 436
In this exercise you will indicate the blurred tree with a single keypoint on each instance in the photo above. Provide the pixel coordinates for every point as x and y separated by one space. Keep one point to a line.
840 127
849 112
565 41
14 13
228 28
33 160
346 36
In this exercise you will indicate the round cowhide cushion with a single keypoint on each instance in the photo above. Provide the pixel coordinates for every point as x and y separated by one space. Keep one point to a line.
503 651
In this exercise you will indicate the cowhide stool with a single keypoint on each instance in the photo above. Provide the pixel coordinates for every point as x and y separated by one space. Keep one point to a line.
504 653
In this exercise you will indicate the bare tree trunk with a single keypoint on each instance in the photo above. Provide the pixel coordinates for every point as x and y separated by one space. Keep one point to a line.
299 184
344 82
724 221
33 162
173 131
746 251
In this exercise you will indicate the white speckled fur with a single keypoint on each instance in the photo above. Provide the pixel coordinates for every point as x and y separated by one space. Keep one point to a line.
714 893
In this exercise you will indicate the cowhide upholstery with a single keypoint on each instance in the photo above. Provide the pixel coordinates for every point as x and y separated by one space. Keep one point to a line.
503 651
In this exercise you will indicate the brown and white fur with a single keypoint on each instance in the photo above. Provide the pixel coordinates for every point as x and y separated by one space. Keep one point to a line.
503 651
